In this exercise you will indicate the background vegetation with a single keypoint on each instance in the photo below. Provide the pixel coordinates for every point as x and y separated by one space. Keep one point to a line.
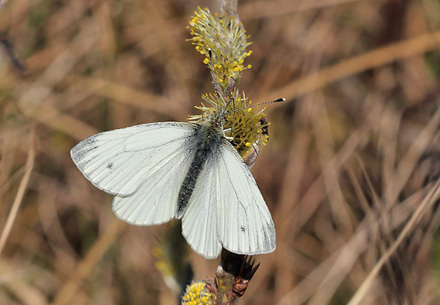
350 171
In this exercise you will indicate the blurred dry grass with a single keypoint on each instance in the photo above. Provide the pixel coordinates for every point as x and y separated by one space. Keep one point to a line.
350 173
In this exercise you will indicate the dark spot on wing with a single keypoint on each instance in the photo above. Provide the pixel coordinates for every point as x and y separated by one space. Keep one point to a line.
243 229
110 165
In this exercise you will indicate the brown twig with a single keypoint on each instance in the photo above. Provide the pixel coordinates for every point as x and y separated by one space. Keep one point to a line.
232 278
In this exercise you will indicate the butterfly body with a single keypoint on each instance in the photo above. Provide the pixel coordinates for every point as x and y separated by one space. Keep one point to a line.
189 171
205 142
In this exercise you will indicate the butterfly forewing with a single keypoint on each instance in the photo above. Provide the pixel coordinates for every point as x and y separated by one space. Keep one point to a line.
242 222
245 224
118 161
155 201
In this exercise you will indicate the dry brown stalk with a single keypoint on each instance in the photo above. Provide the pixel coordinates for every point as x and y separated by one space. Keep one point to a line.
370 60
21 191
67 293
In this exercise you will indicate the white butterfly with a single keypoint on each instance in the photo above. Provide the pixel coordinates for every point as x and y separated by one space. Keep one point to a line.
188 171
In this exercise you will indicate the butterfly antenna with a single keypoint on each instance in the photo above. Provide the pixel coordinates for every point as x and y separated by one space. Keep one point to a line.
271 102
260 104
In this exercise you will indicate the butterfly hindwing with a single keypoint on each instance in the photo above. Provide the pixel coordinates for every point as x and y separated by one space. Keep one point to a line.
199 222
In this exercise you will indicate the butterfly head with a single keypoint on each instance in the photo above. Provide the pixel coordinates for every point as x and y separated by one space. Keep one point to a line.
237 120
